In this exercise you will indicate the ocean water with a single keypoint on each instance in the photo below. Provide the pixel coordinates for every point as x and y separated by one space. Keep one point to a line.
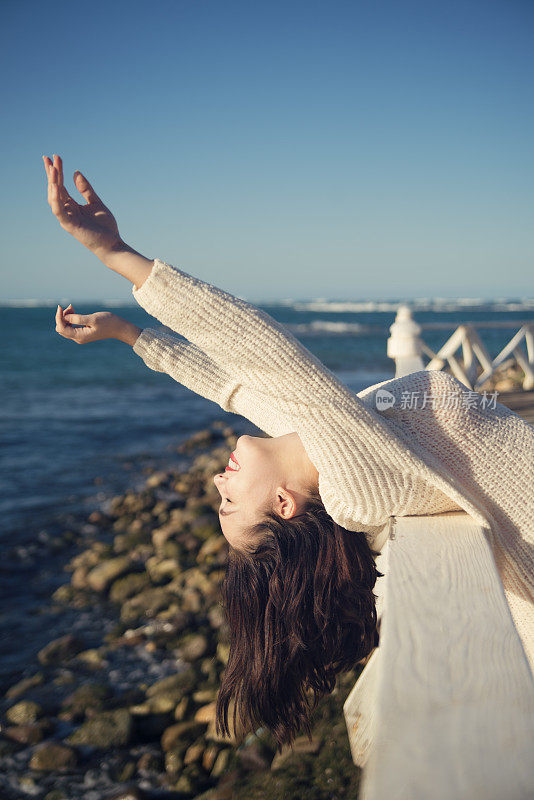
79 423
70 414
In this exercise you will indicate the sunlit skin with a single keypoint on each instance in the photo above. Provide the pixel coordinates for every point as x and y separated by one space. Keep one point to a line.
274 474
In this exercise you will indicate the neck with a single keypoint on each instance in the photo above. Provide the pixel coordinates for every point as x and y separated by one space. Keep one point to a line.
301 465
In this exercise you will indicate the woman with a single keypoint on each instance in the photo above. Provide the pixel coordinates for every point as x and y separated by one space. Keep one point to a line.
305 510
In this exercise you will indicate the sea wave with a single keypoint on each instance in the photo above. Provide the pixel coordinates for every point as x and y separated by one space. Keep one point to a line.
30 302
343 307
437 304
319 327
36 302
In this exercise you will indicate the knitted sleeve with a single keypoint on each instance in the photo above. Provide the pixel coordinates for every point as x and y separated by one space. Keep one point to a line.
258 369
190 366
244 341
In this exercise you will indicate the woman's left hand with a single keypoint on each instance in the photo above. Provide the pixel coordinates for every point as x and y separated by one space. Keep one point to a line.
92 224
92 327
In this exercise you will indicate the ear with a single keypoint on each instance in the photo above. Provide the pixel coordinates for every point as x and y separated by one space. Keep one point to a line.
285 504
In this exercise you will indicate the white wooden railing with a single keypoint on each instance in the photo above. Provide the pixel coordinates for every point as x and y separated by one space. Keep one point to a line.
407 348
444 708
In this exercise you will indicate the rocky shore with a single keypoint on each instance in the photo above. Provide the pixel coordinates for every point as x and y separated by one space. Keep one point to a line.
508 377
132 716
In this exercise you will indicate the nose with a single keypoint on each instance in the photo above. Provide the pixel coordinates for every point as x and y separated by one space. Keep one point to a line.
218 479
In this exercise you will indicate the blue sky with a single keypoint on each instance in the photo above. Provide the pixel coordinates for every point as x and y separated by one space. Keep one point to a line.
364 149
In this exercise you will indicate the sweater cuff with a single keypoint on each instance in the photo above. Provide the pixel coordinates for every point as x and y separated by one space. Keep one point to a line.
146 287
164 290
142 344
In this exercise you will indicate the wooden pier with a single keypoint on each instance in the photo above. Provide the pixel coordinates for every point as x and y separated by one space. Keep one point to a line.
444 707
406 347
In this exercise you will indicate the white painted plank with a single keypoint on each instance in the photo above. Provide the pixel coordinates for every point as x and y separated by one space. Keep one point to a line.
360 706
454 694
359 711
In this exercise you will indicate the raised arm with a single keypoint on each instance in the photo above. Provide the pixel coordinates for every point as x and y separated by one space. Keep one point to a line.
182 360
237 335
190 366
248 343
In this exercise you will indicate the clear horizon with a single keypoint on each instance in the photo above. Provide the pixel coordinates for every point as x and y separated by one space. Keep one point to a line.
300 150
526 301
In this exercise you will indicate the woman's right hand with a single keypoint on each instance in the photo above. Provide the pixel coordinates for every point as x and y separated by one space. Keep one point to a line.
94 327
92 224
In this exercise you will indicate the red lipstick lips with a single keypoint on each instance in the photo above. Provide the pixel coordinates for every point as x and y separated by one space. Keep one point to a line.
233 460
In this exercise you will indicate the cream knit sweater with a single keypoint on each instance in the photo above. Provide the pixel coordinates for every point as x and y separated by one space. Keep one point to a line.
373 464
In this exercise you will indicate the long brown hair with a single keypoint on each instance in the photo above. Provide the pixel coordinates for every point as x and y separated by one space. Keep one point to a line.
300 609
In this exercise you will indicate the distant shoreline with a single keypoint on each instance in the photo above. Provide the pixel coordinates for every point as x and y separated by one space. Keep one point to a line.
320 304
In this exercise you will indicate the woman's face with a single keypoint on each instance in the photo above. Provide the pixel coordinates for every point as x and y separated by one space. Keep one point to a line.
263 474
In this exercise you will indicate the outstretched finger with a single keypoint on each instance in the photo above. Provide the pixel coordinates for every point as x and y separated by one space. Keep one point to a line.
85 188
47 165
60 322
58 163
63 327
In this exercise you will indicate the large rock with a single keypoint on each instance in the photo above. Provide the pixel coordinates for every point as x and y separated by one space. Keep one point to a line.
180 736
78 580
223 652
92 658
149 762
25 734
53 757
221 764
90 696
146 604
203 696
22 686
167 531
217 617
164 695
206 713
128 586
125 542
60 650
209 756
162 569
162 703
193 646
214 550
102 576
88 558
108 729
192 601
65 594
157 479
24 713
194 753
